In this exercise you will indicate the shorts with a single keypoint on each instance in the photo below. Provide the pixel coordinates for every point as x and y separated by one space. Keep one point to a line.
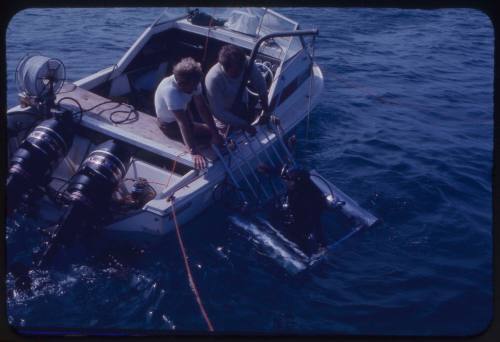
201 132
171 130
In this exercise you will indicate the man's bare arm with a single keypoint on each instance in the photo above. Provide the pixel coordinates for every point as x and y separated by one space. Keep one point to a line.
202 108
185 128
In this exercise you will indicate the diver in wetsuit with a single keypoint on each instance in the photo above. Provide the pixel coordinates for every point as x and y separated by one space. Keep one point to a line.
300 210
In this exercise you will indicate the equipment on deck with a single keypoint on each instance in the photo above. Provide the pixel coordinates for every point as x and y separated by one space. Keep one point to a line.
39 79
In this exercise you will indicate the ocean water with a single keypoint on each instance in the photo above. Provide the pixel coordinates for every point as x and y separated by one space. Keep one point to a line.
405 127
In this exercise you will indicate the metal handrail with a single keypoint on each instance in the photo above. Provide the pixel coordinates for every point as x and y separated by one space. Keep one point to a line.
253 55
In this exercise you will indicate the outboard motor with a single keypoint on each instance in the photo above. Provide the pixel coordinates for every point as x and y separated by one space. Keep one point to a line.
89 193
38 155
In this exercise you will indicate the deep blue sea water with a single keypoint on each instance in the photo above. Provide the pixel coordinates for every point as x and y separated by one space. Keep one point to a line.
405 127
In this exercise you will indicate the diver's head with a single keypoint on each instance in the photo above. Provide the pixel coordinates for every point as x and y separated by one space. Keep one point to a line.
294 176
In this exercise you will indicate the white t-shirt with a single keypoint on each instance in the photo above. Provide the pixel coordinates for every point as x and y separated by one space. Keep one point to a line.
169 97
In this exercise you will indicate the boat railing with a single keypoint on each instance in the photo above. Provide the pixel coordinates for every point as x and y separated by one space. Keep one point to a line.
185 180
242 171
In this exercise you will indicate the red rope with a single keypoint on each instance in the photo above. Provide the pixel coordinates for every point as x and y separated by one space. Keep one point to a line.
172 172
192 284
205 50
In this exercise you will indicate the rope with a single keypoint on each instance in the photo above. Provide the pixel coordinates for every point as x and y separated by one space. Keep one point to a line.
171 172
77 103
159 183
192 284
132 113
205 49
173 169
128 119
149 182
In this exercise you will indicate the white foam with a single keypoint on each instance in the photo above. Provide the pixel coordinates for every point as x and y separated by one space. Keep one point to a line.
275 245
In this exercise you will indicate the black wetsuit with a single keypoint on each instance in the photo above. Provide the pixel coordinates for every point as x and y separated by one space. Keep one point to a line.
302 219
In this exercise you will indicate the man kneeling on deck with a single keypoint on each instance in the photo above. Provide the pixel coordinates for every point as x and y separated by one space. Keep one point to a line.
175 120
222 83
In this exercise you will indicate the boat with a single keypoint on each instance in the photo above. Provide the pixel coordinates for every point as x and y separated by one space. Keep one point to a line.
112 148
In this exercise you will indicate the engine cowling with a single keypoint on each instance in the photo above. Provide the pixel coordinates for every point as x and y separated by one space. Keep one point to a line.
89 193
37 156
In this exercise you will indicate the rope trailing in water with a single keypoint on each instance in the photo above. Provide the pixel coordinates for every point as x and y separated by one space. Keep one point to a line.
192 284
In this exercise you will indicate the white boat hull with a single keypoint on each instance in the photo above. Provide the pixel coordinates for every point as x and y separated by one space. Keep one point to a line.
295 91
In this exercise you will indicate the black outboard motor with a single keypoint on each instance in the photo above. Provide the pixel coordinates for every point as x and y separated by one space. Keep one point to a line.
39 154
89 193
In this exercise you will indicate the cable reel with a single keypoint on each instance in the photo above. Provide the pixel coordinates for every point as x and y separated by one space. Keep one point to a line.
39 79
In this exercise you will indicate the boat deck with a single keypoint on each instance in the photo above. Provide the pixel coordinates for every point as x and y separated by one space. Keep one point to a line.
142 132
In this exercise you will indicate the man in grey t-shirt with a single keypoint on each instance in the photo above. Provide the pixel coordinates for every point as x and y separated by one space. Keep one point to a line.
222 83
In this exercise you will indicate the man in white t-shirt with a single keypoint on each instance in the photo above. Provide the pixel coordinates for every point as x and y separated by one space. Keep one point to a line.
171 104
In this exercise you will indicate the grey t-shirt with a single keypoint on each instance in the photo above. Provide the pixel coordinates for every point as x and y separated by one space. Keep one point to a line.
222 90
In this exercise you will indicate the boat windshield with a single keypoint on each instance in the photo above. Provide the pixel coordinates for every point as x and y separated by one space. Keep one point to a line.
251 21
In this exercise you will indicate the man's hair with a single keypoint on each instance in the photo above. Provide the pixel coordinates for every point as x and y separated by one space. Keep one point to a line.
232 56
188 71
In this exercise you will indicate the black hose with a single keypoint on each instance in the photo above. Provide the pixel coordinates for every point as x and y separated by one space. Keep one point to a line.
77 103
127 119
325 182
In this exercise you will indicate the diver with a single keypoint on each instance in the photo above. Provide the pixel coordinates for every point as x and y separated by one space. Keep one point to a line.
222 84
172 97
299 210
